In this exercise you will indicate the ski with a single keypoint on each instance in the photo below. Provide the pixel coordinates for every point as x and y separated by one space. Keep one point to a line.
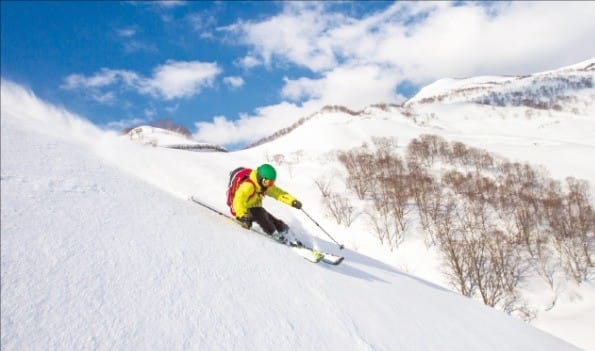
306 252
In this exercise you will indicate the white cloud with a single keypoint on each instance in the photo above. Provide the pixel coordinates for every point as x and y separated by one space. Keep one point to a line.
133 46
178 79
160 4
126 32
356 87
234 82
428 40
293 35
219 131
127 37
250 128
150 112
103 78
104 98
202 23
174 79
169 3
248 62
172 109
509 38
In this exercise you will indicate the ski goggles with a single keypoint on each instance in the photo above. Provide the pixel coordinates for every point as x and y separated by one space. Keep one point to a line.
267 182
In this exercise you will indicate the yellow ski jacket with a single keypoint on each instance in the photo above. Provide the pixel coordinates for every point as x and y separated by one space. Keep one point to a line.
250 194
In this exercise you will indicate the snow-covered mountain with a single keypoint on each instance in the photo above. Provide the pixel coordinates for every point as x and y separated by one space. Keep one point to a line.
554 94
101 249
567 88
155 136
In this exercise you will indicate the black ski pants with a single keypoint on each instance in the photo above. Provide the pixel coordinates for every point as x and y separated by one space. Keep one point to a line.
267 221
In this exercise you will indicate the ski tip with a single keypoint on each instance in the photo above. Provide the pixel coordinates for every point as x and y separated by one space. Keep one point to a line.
335 261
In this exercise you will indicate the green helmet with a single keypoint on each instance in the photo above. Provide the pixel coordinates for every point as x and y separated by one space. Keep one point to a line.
266 171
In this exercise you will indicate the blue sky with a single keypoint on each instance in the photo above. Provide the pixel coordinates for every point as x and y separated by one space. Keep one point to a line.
234 72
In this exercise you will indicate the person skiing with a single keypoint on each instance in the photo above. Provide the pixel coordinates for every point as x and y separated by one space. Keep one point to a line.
246 203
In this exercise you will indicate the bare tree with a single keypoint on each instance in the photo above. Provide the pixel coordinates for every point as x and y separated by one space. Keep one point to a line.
383 222
453 248
582 217
279 159
340 208
324 185
359 165
570 218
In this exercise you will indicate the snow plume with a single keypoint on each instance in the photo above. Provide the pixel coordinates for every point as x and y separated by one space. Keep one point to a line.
21 104
22 107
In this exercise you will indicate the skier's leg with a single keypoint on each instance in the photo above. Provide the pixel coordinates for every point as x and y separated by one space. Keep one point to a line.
281 227
263 218
279 224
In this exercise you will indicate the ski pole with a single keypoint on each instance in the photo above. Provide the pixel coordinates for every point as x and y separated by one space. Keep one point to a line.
325 232
209 207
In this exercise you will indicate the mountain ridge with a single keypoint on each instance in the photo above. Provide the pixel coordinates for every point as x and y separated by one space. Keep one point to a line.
550 90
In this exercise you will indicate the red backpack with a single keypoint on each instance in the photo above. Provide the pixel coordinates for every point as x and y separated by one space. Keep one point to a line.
237 177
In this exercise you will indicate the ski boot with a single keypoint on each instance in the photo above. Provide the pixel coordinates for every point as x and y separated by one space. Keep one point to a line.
279 235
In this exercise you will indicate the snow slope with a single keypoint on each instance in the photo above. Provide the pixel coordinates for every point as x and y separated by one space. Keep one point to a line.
101 250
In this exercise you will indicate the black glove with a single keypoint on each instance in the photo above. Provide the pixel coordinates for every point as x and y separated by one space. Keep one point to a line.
296 204
245 222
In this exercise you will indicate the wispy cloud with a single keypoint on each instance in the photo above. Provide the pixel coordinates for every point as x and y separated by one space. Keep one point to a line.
108 98
202 23
172 109
234 82
133 46
172 80
178 79
128 37
162 8
100 79
165 4
248 62
169 3
150 112
126 32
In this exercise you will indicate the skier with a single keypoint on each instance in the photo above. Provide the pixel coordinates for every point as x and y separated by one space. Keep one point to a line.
245 196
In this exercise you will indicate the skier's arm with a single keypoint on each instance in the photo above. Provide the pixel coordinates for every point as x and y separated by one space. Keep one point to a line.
240 199
280 195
